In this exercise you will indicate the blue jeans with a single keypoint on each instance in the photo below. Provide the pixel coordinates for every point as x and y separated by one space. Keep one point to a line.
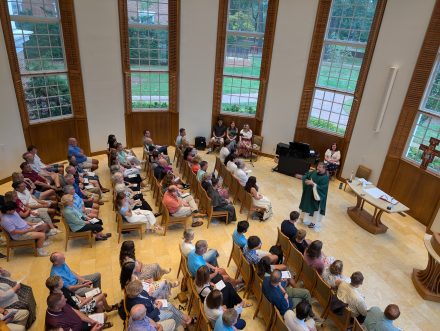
211 257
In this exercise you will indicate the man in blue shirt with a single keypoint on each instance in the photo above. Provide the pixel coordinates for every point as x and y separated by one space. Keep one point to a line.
377 320
72 281
283 298
251 253
238 235
83 161
288 227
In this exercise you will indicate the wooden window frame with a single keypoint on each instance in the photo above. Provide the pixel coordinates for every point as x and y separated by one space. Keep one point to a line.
320 140
255 122
77 124
162 120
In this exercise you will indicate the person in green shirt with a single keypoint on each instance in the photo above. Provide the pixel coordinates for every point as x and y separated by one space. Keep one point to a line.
313 210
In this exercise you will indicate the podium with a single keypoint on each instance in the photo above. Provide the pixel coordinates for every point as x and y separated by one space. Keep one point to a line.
427 281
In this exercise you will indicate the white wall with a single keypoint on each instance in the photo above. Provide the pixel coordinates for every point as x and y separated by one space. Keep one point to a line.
198 36
99 45
293 36
400 38
12 144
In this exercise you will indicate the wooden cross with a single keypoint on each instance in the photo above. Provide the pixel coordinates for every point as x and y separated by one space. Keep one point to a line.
429 152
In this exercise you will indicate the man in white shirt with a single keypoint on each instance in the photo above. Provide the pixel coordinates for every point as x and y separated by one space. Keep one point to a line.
51 167
352 296
240 174
300 319
39 169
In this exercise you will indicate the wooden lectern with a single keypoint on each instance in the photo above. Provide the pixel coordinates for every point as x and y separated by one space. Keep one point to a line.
427 282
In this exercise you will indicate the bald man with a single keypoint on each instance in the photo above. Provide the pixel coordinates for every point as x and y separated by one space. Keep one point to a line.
140 322
83 161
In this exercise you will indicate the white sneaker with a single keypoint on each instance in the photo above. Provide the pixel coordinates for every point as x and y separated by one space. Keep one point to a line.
47 243
42 252
52 232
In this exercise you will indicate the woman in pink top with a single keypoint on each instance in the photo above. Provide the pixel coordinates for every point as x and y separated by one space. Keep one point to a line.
314 257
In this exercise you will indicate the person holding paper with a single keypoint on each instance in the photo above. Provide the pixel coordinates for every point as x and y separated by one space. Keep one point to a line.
79 223
314 196
14 319
136 216
214 310
73 281
300 319
139 321
186 246
79 203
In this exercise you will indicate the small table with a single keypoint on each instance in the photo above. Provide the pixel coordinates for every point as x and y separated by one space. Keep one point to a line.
363 218
427 282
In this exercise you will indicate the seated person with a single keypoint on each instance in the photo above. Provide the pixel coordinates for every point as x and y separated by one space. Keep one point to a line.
111 142
288 227
377 320
90 305
139 321
48 194
226 150
19 297
41 183
245 141
315 258
332 159
51 176
186 246
240 173
217 183
238 235
134 183
85 195
72 280
18 229
80 174
300 242
162 169
195 164
61 315
203 169
29 215
54 167
283 298
231 133
260 201
214 311
135 294
351 294
127 172
79 222
218 202
181 207
83 161
43 206
230 162
300 319
125 208
136 199
126 158
150 146
182 140
251 255
189 153
332 274
196 260
218 135
80 205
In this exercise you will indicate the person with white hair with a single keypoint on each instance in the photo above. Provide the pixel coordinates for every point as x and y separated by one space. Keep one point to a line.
139 321
240 173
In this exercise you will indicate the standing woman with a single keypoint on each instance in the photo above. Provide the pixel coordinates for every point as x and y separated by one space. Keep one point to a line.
259 200
314 196
245 143
231 133
332 158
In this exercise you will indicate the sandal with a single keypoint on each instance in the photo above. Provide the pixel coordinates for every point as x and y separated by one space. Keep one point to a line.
107 325
113 307
246 304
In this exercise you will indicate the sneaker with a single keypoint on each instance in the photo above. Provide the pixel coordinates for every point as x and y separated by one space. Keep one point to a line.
42 252
53 232
196 224
311 225
47 243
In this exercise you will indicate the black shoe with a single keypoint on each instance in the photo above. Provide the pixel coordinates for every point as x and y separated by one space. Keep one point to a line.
157 214
185 186
2 256
311 225
100 238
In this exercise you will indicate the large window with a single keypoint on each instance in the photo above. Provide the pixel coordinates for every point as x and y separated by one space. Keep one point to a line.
345 41
148 44
245 29
427 122
38 40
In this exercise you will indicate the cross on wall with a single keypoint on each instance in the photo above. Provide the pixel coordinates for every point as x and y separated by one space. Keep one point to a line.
429 152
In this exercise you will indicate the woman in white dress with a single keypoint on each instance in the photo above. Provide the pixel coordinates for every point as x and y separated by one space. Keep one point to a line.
245 143
332 158
136 216
259 200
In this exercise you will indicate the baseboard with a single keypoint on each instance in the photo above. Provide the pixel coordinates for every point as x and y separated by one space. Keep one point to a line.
272 156
98 153
5 180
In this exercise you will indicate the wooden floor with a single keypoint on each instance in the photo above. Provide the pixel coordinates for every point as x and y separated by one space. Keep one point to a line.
385 260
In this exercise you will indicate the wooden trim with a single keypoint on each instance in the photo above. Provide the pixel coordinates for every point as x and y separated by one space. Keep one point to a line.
269 37
71 49
394 162
302 132
173 70
101 152
5 180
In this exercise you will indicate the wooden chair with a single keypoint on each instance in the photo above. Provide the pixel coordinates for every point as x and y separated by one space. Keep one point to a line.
323 293
342 322
70 235
247 273
278 323
193 297
218 165
236 255
256 288
361 172
257 144
284 242
295 261
248 204
308 276
267 311
167 219
126 226
11 243
207 206
203 323
357 326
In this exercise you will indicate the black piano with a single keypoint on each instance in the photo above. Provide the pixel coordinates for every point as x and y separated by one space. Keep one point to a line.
295 158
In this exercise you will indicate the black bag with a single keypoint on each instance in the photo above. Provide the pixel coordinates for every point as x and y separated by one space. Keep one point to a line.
337 306
200 143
